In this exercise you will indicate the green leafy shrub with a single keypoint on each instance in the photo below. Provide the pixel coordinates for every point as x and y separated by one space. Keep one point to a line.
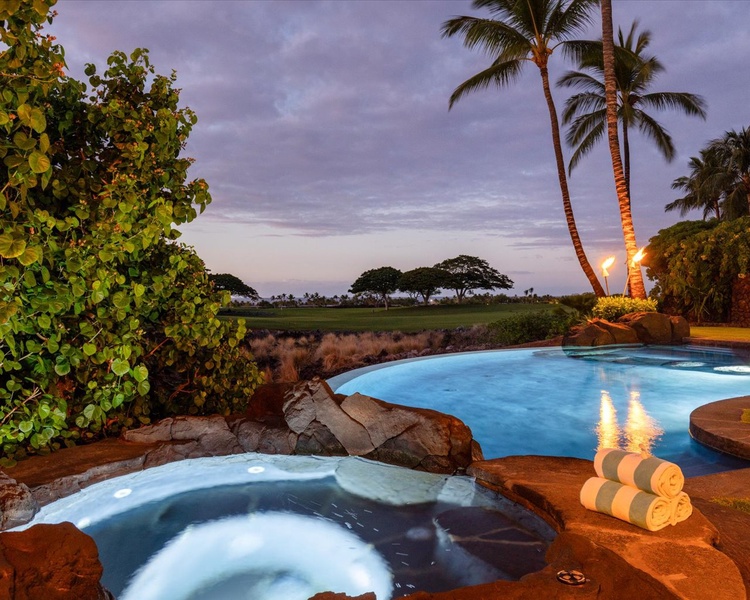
105 321
611 308
522 328
697 265
583 303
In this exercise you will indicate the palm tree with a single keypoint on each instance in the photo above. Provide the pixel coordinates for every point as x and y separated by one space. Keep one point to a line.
704 186
733 152
635 278
719 180
634 74
526 31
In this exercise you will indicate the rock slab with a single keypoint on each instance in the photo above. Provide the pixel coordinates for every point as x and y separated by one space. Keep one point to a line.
50 562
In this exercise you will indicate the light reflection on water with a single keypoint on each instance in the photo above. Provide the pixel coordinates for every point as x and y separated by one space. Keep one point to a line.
641 430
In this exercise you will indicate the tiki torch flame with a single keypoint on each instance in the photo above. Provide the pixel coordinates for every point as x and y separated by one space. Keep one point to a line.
638 257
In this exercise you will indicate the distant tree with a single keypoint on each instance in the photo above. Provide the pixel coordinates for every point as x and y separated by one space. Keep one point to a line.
233 285
382 282
468 273
424 281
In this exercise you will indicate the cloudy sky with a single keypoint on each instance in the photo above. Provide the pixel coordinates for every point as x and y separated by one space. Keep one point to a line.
325 136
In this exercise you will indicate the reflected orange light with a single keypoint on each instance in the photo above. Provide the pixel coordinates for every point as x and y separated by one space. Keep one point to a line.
607 430
641 430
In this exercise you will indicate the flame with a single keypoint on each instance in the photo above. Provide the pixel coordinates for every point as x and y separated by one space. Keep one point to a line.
606 265
641 430
638 257
607 431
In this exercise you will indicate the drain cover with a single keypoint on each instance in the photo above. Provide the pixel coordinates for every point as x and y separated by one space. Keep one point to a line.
571 577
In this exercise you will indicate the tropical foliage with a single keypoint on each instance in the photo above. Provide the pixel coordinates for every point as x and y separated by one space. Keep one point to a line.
523 32
695 264
105 321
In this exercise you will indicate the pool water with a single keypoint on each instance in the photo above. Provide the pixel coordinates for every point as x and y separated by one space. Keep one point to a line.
266 527
557 403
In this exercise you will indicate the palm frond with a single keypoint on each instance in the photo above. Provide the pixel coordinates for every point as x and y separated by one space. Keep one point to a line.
495 38
587 143
578 104
656 132
690 104
581 80
500 74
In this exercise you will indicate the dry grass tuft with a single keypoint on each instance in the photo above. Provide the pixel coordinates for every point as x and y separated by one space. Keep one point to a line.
286 357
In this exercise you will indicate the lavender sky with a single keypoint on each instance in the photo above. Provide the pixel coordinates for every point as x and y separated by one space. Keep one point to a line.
325 136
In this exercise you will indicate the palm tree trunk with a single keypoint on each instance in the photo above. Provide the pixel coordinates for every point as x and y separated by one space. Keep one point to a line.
567 207
626 156
637 289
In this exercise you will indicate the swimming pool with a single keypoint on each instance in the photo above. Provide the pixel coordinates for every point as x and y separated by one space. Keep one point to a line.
557 402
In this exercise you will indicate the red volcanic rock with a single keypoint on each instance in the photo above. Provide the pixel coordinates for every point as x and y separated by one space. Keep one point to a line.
651 327
50 562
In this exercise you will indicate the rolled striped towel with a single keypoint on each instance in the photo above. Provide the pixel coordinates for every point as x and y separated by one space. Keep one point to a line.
627 503
651 474
681 508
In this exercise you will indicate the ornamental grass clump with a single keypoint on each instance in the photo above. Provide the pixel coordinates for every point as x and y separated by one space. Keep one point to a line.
611 308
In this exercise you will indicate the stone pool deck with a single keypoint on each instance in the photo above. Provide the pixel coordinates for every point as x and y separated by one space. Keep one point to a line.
706 556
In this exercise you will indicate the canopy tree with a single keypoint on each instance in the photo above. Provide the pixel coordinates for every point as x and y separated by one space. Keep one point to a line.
232 284
526 31
105 321
424 281
381 282
469 273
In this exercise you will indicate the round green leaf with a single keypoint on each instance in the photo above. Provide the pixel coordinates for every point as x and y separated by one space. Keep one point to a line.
39 162
11 247
143 387
140 373
62 368
38 122
120 367
89 349
26 426
30 255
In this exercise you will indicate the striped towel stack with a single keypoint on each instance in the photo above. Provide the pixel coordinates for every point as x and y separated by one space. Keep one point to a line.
646 492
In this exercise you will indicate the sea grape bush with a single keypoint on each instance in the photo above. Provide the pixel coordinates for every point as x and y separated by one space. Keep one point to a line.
105 320
697 265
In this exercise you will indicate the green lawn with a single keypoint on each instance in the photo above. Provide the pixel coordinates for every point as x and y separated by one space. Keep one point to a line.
413 318
723 334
